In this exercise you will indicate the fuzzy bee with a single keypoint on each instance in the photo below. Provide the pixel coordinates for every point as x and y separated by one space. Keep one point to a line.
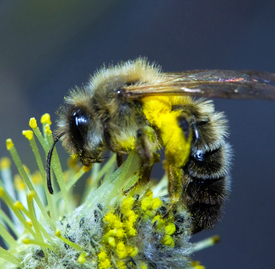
135 107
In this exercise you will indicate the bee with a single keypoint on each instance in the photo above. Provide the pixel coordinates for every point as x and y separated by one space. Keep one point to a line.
133 106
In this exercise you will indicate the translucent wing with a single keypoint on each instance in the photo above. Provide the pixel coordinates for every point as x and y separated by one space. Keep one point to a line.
210 84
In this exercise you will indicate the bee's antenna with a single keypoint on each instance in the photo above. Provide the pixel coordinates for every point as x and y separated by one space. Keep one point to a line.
48 163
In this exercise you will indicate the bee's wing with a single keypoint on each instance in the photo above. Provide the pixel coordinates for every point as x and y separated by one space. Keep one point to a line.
211 84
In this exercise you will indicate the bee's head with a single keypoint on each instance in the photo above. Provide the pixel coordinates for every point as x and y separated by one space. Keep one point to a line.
82 134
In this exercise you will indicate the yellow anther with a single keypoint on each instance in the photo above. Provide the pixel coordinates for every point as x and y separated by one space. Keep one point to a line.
146 204
81 258
149 194
168 241
9 144
18 205
33 123
110 218
127 204
28 134
58 233
86 168
31 195
121 250
102 255
132 251
120 233
19 183
160 221
130 229
111 241
117 224
196 265
156 203
170 229
26 241
36 178
27 170
121 265
46 119
72 162
143 265
5 163
48 130
29 223
105 264
132 217
1 191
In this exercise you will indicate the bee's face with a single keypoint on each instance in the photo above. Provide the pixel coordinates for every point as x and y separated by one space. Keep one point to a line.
82 134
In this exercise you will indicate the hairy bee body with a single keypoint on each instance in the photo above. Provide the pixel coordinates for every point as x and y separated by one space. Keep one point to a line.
102 116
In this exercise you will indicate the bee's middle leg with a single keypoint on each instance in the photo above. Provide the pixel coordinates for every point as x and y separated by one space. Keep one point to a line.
146 150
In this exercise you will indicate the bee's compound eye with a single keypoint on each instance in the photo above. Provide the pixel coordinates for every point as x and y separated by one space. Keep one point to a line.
79 123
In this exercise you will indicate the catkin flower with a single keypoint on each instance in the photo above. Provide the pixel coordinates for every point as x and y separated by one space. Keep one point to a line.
111 226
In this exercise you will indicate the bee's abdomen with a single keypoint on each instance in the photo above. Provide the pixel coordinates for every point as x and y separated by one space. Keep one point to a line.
206 181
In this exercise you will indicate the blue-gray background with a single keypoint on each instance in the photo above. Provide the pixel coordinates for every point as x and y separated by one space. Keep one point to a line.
47 47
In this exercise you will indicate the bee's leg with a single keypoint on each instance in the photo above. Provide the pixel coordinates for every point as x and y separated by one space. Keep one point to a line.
148 156
177 139
147 153
174 181
107 138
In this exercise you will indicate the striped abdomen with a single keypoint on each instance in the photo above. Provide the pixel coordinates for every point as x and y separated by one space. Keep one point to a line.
205 181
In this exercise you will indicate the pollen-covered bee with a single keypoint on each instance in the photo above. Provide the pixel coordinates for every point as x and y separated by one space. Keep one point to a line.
135 107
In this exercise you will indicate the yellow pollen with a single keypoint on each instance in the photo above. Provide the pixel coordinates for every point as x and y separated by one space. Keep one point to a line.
110 218
102 255
132 251
33 123
28 134
18 205
5 163
27 170
48 129
9 144
156 203
19 183
105 264
196 265
111 241
26 241
29 223
72 162
1 191
170 229
36 178
31 195
121 250
168 241
58 233
81 258
149 194
46 119
120 233
127 204
86 168
121 265
143 266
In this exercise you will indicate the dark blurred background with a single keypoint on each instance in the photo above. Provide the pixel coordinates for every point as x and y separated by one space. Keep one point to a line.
48 47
